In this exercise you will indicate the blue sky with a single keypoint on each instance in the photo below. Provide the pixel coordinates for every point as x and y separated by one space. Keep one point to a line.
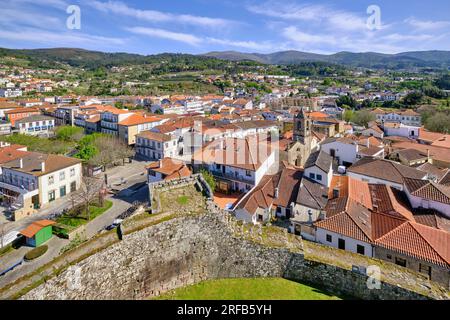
199 26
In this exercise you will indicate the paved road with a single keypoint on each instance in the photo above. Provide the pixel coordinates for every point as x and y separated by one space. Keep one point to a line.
133 173
55 245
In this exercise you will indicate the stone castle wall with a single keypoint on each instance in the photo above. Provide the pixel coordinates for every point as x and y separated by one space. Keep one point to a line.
186 250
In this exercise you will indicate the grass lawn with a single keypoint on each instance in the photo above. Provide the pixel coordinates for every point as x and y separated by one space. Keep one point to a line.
248 289
77 221
183 200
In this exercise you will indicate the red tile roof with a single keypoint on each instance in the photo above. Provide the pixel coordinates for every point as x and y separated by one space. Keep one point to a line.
419 241
35 227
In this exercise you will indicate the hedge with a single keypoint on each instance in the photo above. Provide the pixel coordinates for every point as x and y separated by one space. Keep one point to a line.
36 252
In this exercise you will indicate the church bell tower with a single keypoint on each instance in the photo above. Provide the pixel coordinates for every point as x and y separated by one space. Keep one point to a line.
302 127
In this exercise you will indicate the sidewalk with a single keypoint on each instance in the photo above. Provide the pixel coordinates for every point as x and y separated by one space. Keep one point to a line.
55 245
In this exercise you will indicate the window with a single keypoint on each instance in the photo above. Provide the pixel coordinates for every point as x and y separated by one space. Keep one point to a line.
62 176
51 196
248 187
312 176
425 269
389 257
400 262
335 193
62 191
72 172
51 180
152 173
329 238
248 173
319 177
341 244
360 249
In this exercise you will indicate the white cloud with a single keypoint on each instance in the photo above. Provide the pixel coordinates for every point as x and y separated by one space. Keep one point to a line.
58 38
14 17
60 4
252 45
383 43
120 8
427 25
165 34
320 14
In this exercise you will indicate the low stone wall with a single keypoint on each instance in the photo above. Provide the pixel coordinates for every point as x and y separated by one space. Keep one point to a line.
79 232
189 249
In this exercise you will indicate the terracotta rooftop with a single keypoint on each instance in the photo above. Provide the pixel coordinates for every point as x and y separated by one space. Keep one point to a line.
428 190
11 153
137 119
170 168
419 241
155 136
385 170
248 153
31 163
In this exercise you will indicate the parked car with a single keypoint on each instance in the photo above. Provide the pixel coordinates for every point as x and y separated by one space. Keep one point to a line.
114 225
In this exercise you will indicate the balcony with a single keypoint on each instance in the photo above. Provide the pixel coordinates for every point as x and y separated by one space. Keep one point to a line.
233 177
154 148
7 183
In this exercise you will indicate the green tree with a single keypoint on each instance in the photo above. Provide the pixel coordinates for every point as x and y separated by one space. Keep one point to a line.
367 104
363 117
348 115
209 178
413 98
86 152
68 133
438 122
347 100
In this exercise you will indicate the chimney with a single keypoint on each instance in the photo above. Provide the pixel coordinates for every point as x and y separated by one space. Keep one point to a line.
277 191
160 163
21 163
43 166
368 143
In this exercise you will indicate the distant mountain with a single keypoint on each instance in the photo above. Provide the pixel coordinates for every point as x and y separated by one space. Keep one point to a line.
431 59
93 59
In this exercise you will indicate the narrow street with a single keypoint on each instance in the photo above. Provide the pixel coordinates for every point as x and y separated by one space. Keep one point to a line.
122 178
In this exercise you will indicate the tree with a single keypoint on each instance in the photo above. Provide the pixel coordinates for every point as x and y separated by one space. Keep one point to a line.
209 178
69 133
413 98
89 190
434 92
347 100
348 115
110 150
363 117
438 122
443 82
367 104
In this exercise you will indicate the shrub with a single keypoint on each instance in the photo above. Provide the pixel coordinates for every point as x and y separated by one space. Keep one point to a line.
36 252
209 178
